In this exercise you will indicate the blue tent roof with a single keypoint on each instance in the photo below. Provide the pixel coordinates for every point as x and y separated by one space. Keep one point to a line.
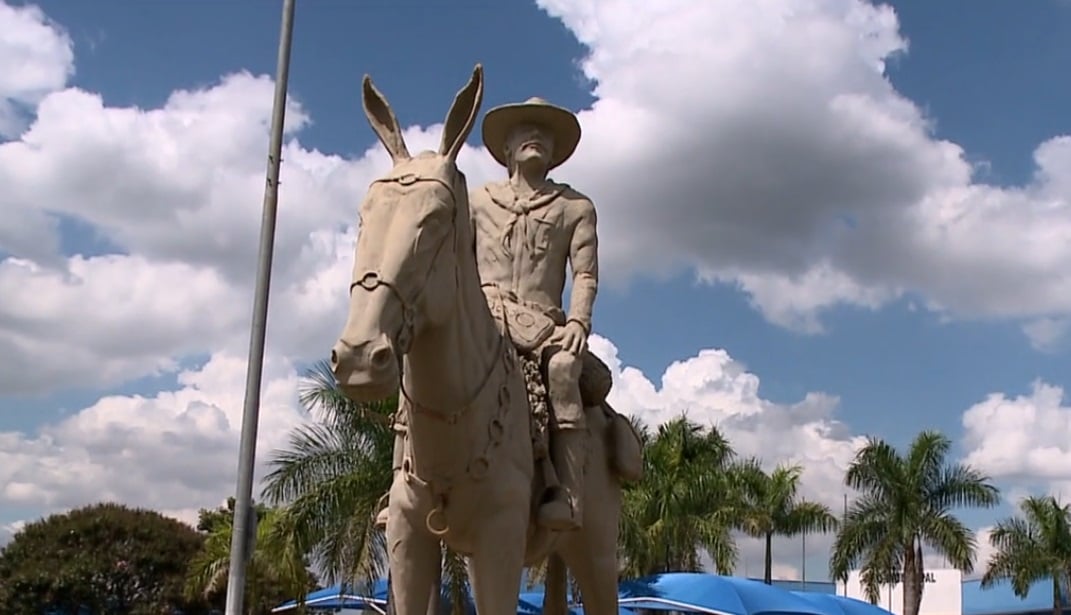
338 597
1000 598
698 592
842 605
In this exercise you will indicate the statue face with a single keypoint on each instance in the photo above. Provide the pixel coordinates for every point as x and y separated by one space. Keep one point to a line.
528 144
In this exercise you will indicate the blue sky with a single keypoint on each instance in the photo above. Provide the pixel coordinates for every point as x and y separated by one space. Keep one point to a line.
979 75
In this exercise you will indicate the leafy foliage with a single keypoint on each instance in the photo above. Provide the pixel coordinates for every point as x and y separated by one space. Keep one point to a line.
906 503
331 479
686 501
771 506
105 557
1032 547
276 572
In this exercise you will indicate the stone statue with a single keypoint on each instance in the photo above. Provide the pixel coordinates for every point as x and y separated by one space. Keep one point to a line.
528 230
421 325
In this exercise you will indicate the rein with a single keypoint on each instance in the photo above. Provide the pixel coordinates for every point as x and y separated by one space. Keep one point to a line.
372 280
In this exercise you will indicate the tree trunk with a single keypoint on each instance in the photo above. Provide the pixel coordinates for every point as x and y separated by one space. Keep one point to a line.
920 572
768 574
910 580
1057 608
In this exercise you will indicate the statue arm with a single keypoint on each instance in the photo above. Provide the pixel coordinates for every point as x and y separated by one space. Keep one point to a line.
584 262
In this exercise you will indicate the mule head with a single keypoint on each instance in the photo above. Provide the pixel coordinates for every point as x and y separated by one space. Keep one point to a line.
405 264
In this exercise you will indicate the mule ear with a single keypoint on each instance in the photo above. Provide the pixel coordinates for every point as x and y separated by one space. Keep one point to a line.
462 115
381 118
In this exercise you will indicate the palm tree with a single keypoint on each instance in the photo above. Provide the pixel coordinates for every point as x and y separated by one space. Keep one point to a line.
683 503
772 507
907 502
332 477
1033 547
332 480
276 569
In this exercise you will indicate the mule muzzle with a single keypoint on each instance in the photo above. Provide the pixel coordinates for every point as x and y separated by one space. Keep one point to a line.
366 371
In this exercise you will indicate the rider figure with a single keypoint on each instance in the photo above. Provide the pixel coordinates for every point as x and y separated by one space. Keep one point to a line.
528 230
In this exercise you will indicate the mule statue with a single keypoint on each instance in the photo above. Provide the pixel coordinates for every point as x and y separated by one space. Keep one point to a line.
473 469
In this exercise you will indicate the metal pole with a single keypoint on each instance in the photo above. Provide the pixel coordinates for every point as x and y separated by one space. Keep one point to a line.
243 505
843 519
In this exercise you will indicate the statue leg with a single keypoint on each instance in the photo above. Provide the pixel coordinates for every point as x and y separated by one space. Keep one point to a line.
594 566
396 464
568 443
497 562
415 558
591 553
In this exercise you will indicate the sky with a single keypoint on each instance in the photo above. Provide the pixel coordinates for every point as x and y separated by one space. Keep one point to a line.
819 221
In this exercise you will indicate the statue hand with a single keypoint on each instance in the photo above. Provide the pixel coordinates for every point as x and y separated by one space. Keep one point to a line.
574 338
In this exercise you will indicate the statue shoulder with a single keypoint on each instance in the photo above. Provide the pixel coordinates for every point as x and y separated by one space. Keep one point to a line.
483 196
576 203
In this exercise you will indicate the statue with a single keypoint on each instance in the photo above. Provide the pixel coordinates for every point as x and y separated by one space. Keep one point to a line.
528 229
420 324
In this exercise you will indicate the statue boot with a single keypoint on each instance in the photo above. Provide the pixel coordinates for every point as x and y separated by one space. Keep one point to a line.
564 511
399 453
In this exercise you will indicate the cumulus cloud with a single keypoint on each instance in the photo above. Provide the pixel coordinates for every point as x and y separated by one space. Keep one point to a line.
173 451
36 57
1048 334
8 531
179 206
713 389
1021 438
767 148
983 552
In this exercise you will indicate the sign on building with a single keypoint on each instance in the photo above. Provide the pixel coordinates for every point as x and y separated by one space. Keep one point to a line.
942 593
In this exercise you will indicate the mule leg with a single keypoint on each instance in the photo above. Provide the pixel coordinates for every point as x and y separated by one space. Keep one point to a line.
594 565
496 565
415 561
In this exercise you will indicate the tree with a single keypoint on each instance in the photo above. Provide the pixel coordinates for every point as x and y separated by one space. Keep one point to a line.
684 502
105 557
331 479
771 506
1033 547
906 503
276 572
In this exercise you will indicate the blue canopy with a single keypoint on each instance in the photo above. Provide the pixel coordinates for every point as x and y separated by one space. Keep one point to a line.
842 605
531 603
339 597
698 592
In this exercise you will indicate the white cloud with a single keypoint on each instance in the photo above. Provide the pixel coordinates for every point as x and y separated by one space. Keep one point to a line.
36 57
983 552
8 531
173 451
712 388
1047 334
1021 438
766 147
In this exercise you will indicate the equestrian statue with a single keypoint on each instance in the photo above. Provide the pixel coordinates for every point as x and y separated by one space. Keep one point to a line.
506 447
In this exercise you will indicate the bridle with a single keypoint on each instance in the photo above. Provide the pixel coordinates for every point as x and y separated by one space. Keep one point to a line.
372 280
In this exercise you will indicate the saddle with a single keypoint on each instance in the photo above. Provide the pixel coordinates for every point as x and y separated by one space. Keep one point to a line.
528 328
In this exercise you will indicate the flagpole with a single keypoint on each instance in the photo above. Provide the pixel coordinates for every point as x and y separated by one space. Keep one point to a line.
243 527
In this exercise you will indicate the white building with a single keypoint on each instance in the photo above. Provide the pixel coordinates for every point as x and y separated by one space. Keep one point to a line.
942 593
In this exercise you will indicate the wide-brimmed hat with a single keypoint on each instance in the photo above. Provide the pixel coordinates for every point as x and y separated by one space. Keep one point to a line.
561 123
